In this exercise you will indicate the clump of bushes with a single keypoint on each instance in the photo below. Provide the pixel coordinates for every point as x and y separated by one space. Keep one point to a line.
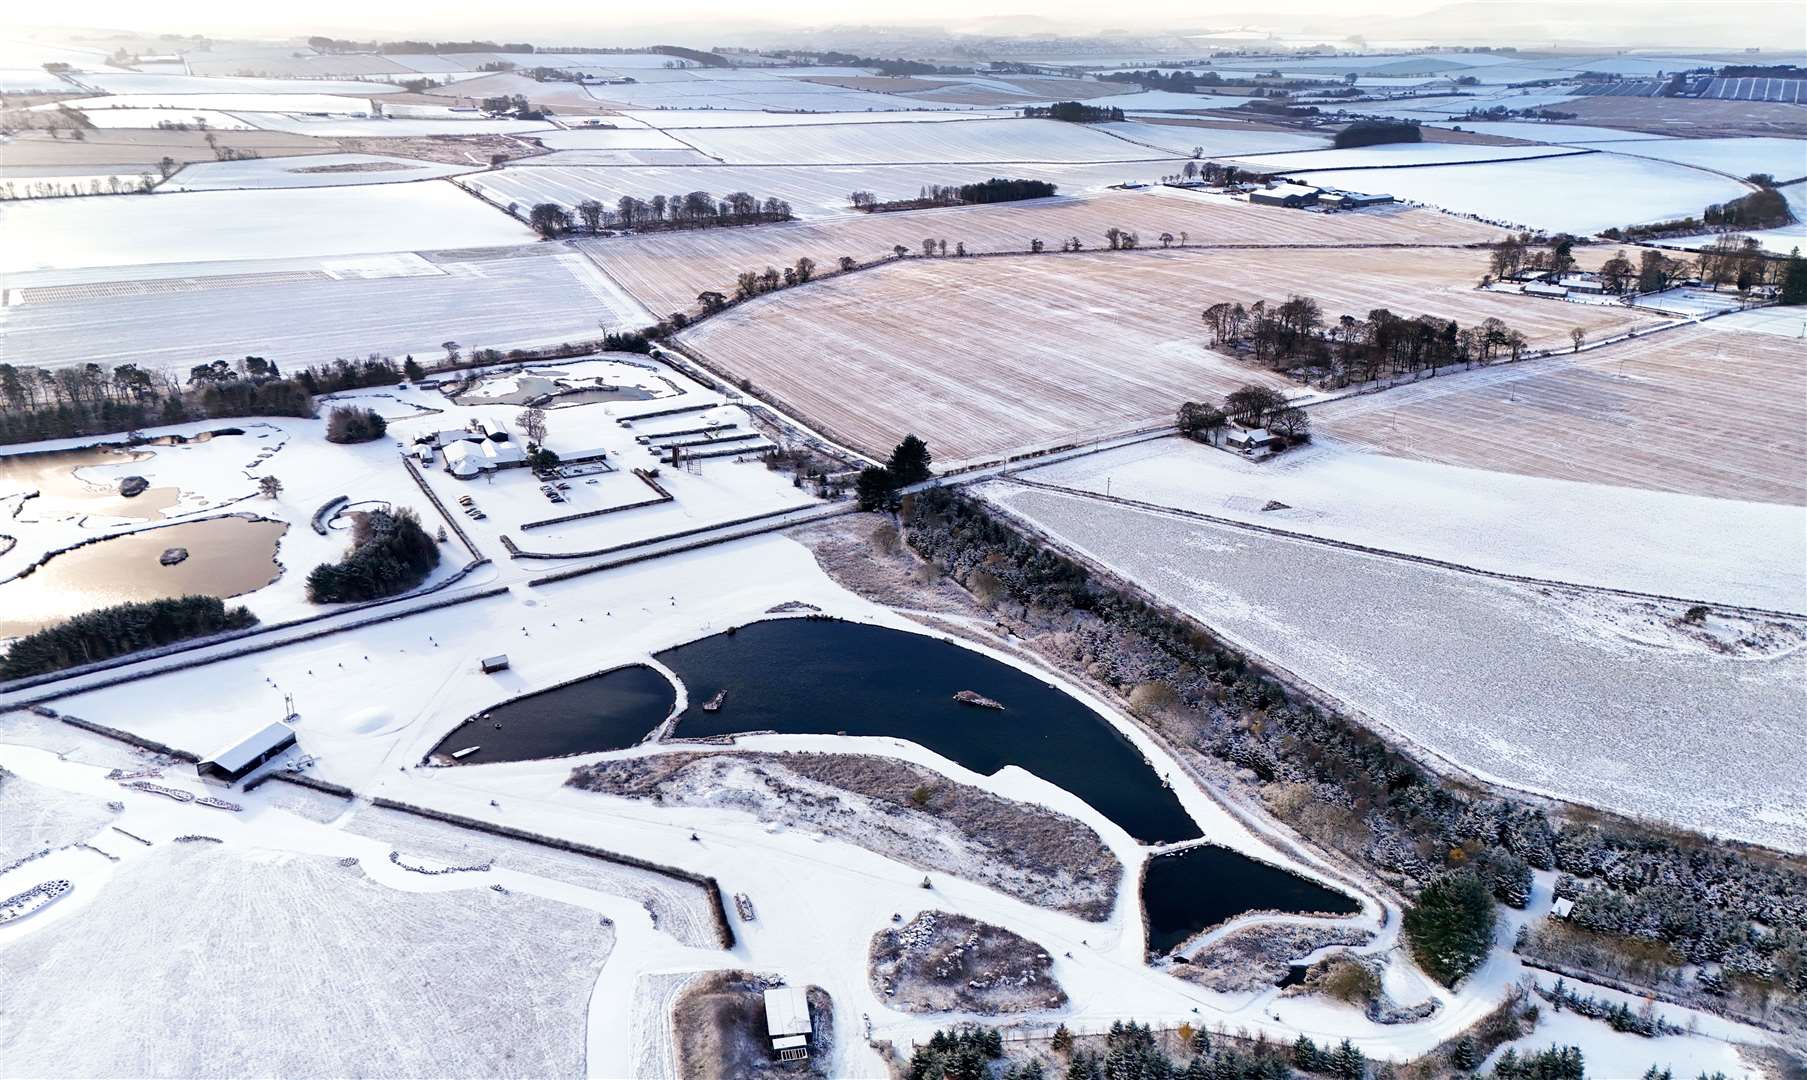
390 553
354 424
1376 132
115 631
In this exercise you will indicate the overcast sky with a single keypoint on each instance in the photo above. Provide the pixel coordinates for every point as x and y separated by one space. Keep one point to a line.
1773 24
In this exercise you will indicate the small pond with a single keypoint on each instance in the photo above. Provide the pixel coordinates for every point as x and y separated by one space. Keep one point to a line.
820 676
61 493
227 556
610 711
1199 887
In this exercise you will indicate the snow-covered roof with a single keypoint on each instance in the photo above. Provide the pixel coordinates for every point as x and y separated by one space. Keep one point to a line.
503 453
463 460
790 1042
593 453
1562 907
786 1012
1539 288
247 749
1287 191
1250 435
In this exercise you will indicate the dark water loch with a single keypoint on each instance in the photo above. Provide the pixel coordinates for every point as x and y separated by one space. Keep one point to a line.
1189 890
818 676
610 711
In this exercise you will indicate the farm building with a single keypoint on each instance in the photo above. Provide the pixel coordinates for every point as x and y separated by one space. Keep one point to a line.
1250 442
1582 282
466 460
787 1022
493 664
1285 195
442 439
1545 288
1352 200
240 759
580 457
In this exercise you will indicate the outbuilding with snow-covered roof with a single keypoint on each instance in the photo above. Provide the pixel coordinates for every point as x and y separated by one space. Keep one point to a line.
1285 195
239 759
787 1021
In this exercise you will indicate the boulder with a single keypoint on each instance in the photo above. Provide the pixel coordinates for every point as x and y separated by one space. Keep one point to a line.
172 556
133 485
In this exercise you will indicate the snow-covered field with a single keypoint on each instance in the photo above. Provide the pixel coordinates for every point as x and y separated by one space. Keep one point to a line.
1561 134
1778 241
667 271
683 119
65 233
1592 699
1017 140
328 127
306 170
141 84
980 356
814 191
1784 159
1585 534
31 80
317 98
306 311
1637 413
259 942
1580 194
618 138
212 119
1397 155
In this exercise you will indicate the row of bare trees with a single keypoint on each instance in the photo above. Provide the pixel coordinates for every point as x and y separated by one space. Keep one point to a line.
1295 336
696 210
1730 260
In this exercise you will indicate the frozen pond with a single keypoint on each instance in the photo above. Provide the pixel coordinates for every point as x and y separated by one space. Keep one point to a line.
227 556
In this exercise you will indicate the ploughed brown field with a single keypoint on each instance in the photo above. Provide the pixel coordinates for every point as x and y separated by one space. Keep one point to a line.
1699 410
983 356
667 272
1694 118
